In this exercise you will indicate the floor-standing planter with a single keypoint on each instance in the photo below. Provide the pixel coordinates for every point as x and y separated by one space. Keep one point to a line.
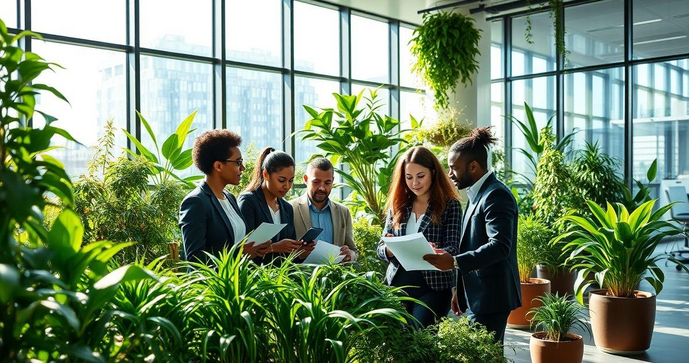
561 280
547 351
622 325
535 288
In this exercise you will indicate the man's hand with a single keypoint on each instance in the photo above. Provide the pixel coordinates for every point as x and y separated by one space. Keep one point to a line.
344 250
256 251
305 250
441 260
455 305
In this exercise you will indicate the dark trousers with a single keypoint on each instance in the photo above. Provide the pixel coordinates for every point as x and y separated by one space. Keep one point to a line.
493 322
437 300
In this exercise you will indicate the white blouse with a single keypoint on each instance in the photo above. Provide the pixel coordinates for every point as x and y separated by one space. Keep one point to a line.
236 221
276 214
414 223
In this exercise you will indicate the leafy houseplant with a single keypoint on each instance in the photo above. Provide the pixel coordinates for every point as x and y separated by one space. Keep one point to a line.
362 139
366 237
554 320
619 248
555 11
595 178
445 46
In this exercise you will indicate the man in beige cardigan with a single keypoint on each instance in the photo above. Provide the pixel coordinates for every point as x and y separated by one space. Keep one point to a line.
315 209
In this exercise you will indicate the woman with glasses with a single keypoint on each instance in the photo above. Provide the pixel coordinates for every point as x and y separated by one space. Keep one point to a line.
209 216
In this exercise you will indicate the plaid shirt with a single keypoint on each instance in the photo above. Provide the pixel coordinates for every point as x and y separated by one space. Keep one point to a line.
446 235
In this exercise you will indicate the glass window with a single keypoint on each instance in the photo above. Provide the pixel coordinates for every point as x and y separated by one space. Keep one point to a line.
539 93
497 109
97 20
413 103
660 28
8 13
263 20
597 33
177 26
96 94
370 50
496 61
660 132
602 122
407 77
316 93
542 44
170 91
316 39
254 107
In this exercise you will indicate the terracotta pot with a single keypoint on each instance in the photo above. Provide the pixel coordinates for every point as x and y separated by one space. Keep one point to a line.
530 291
546 351
622 325
561 280
174 250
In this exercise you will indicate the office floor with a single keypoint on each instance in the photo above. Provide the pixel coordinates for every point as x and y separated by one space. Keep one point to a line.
670 337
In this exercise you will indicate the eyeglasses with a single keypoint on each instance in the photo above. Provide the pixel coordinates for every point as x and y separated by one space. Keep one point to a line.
239 162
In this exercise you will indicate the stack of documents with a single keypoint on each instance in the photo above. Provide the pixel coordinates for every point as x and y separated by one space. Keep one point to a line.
264 233
323 253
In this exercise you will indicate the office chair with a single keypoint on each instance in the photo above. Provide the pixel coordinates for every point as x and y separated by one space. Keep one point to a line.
680 213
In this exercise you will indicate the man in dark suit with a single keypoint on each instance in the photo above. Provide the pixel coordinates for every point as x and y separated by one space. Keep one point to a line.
488 279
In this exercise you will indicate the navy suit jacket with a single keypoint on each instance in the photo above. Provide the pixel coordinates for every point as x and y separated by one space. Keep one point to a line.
255 211
487 257
204 224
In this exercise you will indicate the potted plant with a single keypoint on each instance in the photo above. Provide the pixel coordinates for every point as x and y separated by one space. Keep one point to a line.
532 235
554 341
445 47
618 247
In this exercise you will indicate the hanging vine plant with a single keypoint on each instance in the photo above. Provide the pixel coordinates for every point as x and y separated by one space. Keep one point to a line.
555 14
445 47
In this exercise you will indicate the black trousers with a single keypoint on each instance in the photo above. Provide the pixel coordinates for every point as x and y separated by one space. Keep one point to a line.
493 322
437 300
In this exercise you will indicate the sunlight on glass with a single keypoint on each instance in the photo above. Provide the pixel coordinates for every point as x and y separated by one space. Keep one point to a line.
407 77
8 13
415 104
81 19
316 39
94 83
370 50
170 91
254 107
177 26
316 93
254 31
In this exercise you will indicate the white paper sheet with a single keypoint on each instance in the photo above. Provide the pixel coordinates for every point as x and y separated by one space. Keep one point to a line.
409 251
323 253
264 233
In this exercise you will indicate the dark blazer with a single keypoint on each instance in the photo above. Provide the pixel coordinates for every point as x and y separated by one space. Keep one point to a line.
204 224
255 211
487 257
446 235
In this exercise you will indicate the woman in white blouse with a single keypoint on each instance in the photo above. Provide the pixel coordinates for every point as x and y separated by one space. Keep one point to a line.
209 216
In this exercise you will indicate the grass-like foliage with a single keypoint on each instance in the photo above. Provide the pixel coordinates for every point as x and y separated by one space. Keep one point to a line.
557 316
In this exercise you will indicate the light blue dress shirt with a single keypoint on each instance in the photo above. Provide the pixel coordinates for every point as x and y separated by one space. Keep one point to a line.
322 219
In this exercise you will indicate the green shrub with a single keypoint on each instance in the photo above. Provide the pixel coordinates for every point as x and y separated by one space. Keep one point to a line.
533 246
557 316
366 237
447 130
595 177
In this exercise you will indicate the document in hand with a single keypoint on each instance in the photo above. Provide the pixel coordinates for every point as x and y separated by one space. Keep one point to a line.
409 251
322 253
264 233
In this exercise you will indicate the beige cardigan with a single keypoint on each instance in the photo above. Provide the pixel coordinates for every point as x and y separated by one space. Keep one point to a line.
343 232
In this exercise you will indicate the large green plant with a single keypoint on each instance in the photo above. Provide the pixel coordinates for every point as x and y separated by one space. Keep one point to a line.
557 315
366 237
533 246
366 141
553 187
171 155
54 293
595 177
618 247
445 47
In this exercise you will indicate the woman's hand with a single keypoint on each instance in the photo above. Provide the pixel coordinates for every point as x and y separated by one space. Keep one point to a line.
256 251
285 246
387 250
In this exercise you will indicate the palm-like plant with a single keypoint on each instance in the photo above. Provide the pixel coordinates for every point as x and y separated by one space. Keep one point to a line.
618 247
557 316
363 139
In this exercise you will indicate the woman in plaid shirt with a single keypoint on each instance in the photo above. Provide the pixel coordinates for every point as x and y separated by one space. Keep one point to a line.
423 200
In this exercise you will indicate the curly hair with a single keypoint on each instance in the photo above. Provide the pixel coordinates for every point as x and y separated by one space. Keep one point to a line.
212 146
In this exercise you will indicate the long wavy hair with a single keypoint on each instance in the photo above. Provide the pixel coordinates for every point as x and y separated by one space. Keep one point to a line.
441 190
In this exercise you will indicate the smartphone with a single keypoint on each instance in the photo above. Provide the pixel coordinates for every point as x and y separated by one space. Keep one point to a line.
311 235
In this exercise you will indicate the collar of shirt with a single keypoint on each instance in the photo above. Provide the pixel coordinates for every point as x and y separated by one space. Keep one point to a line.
314 209
473 190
